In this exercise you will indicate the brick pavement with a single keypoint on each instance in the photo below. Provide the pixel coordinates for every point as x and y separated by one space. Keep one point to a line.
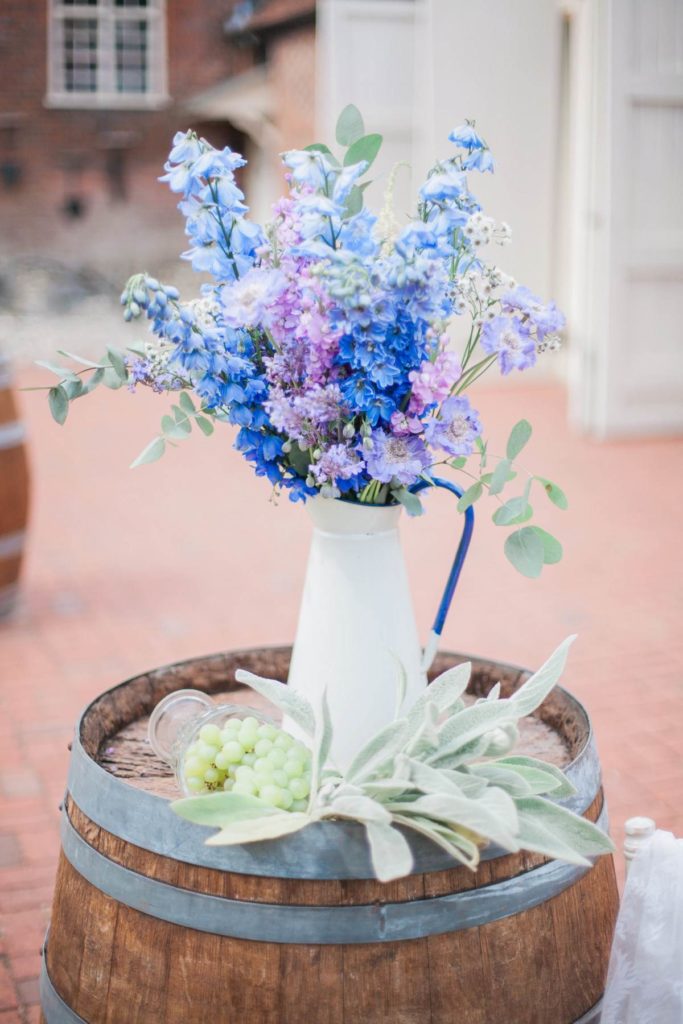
128 570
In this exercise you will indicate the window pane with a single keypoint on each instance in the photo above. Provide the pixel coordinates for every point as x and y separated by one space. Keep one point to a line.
80 54
131 3
131 56
80 3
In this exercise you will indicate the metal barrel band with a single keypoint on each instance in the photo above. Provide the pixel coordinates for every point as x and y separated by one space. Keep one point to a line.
325 850
55 1010
316 925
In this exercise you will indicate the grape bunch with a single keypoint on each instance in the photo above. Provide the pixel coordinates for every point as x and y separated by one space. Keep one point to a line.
249 757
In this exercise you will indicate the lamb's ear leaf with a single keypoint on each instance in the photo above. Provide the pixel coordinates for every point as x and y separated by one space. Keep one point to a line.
444 691
581 837
538 686
382 747
539 774
290 703
221 809
389 850
257 829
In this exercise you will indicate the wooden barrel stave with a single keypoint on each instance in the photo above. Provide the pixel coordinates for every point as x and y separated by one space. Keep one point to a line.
112 963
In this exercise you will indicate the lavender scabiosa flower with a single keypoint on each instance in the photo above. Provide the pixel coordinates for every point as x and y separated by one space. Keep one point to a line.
396 458
336 465
546 318
511 340
456 428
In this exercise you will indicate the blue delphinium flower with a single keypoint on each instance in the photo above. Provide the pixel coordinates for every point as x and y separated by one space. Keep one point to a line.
466 137
396 458
246 301
511 339
455 428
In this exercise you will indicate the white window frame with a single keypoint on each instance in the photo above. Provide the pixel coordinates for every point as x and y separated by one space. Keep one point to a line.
106 95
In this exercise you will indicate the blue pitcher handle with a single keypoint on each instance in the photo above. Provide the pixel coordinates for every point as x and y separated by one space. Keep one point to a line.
453 576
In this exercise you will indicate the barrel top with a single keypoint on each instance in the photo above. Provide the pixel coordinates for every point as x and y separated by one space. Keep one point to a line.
145 819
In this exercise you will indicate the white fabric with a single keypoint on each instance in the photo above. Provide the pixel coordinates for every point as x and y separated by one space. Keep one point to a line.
645 979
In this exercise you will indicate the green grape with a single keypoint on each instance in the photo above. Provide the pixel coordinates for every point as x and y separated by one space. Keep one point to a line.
277 757
286 799
299 805
262 766
195 766
298 753
284 741
250 759
233 751
208 750
244 773
299 788
228 783
251 723
267 732
211 775
263 747
245 788
221 761
194 783
247 739
210 734
294 769
281 778
272 795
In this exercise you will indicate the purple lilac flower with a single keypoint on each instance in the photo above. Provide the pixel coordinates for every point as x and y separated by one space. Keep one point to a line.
546 318
510 338
432 382
396 458
456 428
337 463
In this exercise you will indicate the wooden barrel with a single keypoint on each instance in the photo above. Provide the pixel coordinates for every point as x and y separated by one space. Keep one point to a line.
149 925
13 493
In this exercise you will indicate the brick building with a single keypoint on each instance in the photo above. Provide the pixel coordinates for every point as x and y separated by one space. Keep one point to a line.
91 92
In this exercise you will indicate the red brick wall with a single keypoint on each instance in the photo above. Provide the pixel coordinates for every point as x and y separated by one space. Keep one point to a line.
61 154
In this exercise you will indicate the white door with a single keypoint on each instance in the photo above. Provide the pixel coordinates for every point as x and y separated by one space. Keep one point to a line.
627 361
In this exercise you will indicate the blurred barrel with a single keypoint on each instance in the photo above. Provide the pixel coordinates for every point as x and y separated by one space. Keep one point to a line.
14 492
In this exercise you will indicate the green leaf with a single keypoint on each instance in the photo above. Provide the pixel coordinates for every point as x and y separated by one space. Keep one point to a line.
289 702
555 493
182 421
357 808
94 381
443 692
186 402
389 851
60 371
542 777
410 501
515 510
538 686
379 749
322 741
569 836
552 549
320 147
78 359
118 363
519 435
220 809
458 463
481 448
73 388
256 830
59 403
111 379
299 460
500 476
354 204
364 149
172 429
205 425
471 495
154 450
524 549
493 815
350 126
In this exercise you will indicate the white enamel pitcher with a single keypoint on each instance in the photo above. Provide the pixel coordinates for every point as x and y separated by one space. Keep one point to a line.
356 621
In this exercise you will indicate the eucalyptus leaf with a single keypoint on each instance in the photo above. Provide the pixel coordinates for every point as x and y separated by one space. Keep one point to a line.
59 403
73 388
183 422
205 425
118 363
362 150
173 429
154 450
524 549
552 549
519 436
186 402
289 702
78 359
471 495
94 381
354 203
350 126
500 476
410 501
111 378
60 371
320 147
555 493
389 851
515 510
458 463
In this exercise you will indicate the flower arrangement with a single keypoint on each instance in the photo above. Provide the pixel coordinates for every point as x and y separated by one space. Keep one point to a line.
323 337
444 770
